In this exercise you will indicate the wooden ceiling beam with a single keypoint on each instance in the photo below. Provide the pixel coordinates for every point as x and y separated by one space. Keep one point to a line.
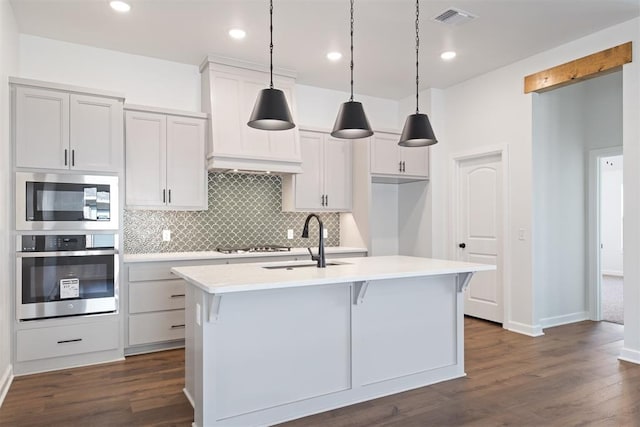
587 67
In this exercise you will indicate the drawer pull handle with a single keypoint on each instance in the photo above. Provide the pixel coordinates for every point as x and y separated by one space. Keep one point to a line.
177 296
67 341
177 326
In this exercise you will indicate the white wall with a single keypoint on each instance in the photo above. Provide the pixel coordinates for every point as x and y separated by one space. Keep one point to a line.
8 66
318 107
611 215
384 219
143 80
491 110
568 122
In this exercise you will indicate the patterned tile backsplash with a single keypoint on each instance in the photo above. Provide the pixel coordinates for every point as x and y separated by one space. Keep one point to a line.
243 210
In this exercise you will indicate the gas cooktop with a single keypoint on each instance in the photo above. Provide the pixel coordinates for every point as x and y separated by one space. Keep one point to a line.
258 248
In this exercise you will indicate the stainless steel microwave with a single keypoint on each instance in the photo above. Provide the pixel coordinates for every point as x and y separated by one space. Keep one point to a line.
46 201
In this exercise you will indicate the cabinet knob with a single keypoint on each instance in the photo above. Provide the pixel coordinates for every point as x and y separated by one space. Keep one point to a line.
462 245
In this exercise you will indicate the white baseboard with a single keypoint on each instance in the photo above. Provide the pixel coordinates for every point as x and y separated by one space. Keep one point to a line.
612 273
565 319
5 382
524 329
189 398
629 355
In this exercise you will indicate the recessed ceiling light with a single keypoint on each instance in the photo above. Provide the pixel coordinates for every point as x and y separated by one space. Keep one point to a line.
448 55
119 6
237 33
334 56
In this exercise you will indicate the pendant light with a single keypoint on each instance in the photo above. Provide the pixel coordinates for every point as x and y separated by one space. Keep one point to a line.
271 111
351 122
417 131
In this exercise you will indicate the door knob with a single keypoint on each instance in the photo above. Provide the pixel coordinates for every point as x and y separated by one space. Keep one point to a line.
462 245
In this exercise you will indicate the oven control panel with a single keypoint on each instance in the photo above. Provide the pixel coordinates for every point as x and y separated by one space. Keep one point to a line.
56 243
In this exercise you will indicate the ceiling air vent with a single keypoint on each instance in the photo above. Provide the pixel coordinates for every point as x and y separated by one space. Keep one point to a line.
454 16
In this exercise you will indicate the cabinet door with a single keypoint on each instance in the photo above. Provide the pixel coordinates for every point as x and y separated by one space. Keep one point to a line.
285 144
416 161
255 142
96 133
42 128
309 183
146 145
186 168
385 154
226 111
337 174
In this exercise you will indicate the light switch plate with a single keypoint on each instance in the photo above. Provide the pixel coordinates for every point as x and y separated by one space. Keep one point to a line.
325 234
289 234
166 235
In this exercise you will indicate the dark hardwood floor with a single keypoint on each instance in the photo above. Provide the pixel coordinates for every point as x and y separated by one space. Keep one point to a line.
569 377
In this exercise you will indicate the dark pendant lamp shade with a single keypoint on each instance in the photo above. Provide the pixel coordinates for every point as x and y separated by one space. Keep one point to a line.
417 132
271 111
351 122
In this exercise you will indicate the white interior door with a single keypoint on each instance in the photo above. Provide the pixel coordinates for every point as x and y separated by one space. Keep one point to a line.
479 232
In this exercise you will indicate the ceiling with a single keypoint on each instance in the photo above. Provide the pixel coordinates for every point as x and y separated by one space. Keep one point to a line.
305 30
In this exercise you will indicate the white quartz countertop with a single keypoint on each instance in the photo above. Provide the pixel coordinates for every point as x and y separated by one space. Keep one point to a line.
187 256
228 278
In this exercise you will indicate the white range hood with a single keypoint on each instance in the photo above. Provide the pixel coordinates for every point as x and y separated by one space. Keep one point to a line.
229 91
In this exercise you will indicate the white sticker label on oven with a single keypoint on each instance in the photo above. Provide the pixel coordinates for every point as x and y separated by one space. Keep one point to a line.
69 288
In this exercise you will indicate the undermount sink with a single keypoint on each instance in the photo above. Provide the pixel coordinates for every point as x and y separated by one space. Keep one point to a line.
299 265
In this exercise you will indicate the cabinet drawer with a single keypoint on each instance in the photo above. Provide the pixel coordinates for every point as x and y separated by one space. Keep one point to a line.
59 341
156 296
150 328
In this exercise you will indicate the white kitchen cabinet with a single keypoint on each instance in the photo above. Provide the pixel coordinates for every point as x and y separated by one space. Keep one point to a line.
165 160
229 94
96 133
325 183
388 159
59 341
57 129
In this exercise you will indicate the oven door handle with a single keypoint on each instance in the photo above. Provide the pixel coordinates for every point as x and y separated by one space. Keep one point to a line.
66 253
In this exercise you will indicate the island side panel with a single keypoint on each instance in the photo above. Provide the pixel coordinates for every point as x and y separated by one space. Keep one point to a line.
407 327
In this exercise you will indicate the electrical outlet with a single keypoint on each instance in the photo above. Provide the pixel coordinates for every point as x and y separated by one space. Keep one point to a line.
289 234
166 235
325 234
521 234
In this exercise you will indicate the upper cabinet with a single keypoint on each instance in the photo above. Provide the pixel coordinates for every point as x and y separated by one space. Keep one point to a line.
393 162
165 152
325 184
62 129
229 92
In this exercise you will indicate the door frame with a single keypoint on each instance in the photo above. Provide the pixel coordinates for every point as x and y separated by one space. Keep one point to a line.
593 224
454 210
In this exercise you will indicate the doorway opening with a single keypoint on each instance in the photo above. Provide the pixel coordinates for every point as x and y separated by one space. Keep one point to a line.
610 230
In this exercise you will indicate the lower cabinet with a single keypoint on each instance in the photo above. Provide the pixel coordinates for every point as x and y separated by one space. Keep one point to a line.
57 341
66 342
155 299
149 328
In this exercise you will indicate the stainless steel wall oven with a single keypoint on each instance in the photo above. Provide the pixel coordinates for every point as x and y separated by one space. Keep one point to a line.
66 202
66 275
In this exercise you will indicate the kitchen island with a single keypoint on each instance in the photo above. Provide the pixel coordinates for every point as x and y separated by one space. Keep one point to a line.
270 342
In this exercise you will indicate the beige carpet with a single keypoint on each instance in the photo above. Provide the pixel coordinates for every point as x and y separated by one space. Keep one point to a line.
611 298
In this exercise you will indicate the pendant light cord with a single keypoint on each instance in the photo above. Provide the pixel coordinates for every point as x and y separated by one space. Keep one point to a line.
351 65
271 43
417 54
